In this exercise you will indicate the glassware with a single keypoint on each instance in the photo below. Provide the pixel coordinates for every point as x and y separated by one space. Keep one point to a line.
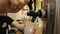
28 26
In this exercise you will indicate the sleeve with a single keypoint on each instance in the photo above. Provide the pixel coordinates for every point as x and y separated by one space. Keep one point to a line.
8 20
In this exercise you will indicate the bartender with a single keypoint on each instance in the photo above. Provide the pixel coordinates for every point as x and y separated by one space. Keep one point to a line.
10 6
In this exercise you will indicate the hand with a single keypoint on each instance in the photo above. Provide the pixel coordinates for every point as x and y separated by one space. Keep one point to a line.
4 25
12 5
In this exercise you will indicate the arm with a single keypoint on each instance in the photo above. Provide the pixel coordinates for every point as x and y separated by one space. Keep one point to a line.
10 21
17 25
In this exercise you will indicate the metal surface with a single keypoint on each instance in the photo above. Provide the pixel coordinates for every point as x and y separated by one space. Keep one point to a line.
50 19
50 6
57 18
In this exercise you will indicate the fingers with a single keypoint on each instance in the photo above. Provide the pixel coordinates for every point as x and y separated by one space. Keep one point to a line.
27 1
14 3
4 25
21 2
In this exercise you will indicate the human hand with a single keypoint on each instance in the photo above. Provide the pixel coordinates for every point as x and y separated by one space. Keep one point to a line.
12 5
4 25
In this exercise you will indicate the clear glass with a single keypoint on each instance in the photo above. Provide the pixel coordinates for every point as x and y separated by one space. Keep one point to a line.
28 26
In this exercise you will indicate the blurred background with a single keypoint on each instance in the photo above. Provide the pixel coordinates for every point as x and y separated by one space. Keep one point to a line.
47 23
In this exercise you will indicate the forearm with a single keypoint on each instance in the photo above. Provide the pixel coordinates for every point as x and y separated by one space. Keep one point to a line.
17 25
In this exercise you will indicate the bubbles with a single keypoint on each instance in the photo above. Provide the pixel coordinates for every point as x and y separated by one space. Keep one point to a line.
28 26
